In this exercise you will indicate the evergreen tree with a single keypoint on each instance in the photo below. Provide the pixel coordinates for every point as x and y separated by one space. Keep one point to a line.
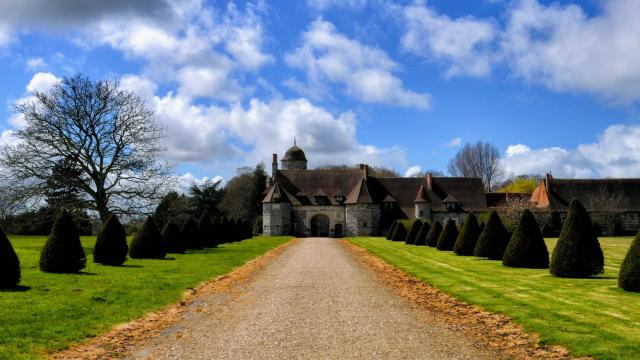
63 252
191 235
111 243
148 242
493 240
434 234
448 237
577 253
172 236
468 237
400 233
526 249
421 238
413 232
205 228
9 264
391 230
629 278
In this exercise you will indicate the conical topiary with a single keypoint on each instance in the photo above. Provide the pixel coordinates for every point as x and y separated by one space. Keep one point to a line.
217 232
413 232
191 234
400 233
577 253
434 234
63 252
493 240
148 242
206 230
629 277
172 236
448 237
526 249
421 238
9 264
111 243
468 237
391 230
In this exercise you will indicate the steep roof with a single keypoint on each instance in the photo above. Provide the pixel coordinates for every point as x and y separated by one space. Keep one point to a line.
294 154
311 183
611 194
360 194
422 196
276 194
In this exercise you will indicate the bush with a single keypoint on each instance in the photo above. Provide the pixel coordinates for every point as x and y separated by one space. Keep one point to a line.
577 253
413 232
257 226
191 234
63 253
400 232
205 229
391 230
493 240
9 264
421 238
111 243
148 242
629 278
468 237
172 236
434 234
448 237
526 249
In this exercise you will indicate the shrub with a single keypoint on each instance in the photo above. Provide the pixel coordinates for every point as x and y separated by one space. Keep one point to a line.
421 238
111 243
148 242
493 240
246 230
629 278
526 249
448 237
205 230
577 253
172 236
434 234
413 232
9 264
191 234
391 230
257 226
400 232
63 253
468 237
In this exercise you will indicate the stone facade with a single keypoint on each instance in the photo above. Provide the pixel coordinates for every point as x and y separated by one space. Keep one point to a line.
363 219
276 219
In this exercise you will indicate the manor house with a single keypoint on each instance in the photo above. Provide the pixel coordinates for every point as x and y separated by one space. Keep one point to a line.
351 202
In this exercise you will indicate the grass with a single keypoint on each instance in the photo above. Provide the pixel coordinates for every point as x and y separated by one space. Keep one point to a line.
53 311
591 317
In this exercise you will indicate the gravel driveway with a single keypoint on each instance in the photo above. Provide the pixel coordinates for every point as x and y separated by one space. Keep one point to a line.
314 301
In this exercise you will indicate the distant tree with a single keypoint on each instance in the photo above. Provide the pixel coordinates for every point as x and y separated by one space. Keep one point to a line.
481 160
629 277
172 236
493 240
527 248
434 234
605 205
520 185
468 237
413 232
377 171
63 252
9 264
191 235
206 197
244 193
173 206
448 237
111 243
148 242
205 228
421 238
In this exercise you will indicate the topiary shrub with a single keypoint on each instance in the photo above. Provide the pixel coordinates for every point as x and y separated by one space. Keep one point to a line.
577 253
111 243
191 234
391 230
468 237
9 264
421 238
172 236
434 234
413 232
400 232
526 249
205 229
629 277
63 253
148 242
448 237
493 240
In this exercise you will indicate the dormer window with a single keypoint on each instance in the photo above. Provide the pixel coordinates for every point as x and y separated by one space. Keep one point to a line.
451 204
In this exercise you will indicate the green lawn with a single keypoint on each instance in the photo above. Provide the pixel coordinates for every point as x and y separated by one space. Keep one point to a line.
589 316
57 310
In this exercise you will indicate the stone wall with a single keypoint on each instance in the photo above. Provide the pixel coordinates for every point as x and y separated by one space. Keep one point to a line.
363 220
302 215
276 219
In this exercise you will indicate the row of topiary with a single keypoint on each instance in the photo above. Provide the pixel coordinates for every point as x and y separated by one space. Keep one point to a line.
577 253
63 252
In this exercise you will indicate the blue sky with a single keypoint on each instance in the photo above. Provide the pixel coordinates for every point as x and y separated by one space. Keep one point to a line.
404 84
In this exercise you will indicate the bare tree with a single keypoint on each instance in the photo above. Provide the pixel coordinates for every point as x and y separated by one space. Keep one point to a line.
481 160
106 133
605 206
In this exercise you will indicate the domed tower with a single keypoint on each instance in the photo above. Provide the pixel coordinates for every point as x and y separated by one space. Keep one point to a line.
294 158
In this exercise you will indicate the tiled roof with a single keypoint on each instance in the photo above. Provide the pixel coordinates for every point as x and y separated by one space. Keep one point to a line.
612 194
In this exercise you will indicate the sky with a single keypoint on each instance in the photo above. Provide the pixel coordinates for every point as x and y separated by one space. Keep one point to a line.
555 85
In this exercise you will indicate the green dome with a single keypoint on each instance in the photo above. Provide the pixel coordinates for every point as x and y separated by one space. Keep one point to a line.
294 154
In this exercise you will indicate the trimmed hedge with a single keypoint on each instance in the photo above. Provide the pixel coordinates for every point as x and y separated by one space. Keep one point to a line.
111 243
448 237
629 278
391 230
172 236
148 242
9 264
421 238
468 237
63 252
577 253
205 230
493 240
191 235
526 248
434 234
400 232
413 232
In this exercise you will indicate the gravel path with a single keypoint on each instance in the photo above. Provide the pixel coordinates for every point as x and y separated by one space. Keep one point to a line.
314 301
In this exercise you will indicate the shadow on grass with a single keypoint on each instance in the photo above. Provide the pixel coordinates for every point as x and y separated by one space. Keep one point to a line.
85 273
129 266
17 288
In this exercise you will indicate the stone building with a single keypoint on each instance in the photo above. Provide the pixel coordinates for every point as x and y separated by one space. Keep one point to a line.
350 202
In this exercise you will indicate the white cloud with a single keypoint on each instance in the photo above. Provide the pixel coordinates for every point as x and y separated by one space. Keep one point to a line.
456 141
42 81
7 138
140 86
185 181
36 63
367 73
413 171
6 35
615 154
327 4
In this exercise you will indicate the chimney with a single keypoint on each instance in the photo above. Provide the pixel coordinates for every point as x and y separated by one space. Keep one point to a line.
430 180
361 166
366 171
274 166
547 181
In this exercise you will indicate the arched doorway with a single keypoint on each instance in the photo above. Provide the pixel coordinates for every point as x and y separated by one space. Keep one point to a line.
320 226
